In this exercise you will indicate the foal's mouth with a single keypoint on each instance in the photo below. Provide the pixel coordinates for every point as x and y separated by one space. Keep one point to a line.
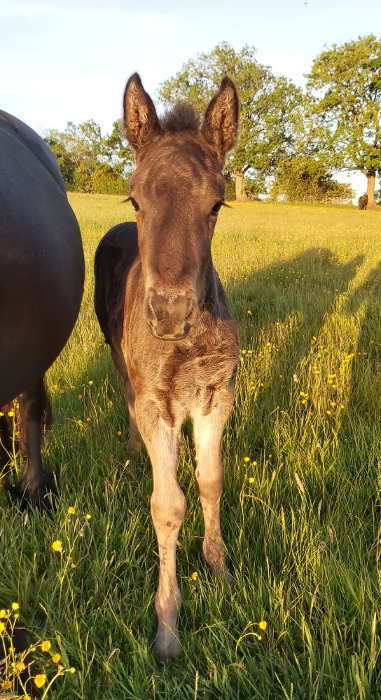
170 336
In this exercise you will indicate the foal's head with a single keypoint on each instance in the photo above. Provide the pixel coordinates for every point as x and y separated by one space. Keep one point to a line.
177 190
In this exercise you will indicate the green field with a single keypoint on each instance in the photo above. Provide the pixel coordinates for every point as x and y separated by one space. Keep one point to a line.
300 517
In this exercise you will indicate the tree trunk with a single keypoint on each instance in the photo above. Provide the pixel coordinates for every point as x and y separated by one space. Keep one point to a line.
240 193
370 191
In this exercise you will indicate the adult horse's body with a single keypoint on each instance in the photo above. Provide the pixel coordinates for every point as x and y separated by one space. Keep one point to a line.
363 201
163 311
41 273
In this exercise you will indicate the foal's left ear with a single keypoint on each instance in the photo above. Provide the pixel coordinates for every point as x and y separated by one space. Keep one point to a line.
141 122
220 125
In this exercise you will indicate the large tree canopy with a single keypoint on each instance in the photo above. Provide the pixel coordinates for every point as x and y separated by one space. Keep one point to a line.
268 104
347 80
90 162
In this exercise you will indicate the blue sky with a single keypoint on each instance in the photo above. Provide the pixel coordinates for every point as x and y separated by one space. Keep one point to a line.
70 60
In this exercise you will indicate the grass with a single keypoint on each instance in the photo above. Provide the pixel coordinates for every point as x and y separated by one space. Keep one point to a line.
300 517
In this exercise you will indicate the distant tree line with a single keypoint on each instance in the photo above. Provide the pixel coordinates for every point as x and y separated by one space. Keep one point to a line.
292 142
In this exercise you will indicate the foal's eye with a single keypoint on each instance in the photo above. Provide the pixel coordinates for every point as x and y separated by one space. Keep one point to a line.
216 209
134 204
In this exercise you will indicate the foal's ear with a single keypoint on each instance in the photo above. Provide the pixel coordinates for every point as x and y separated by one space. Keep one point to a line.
140 120
220 125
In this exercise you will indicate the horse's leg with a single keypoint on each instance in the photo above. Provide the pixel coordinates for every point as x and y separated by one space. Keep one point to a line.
135 441
168 510
208 431
35 484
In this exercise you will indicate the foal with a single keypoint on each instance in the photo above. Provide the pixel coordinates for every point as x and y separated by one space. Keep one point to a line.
163 310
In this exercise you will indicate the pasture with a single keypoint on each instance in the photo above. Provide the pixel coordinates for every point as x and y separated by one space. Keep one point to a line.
300 512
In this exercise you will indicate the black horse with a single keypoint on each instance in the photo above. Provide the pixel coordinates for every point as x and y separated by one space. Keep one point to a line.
41 281
363 201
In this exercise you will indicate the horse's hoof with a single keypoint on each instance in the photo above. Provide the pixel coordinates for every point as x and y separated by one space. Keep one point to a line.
40 494
167 647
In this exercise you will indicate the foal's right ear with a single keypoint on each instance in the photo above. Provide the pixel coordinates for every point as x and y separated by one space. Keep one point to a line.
141 123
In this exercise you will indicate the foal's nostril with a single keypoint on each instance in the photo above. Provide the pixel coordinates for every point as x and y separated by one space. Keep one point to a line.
170 317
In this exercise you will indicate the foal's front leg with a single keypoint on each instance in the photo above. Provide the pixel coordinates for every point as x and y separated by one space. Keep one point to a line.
167 509
208 429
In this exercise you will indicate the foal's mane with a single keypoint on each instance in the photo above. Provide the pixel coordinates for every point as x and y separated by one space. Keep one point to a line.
182 117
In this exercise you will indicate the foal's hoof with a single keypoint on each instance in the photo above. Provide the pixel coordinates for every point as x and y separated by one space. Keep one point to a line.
40 494
167 647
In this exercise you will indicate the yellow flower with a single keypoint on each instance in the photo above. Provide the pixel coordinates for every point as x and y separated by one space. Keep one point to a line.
79 422
91 383
88 516
246 459
73 566
56 658
254 464
20 666
251 480
3 613
40 680
6 685
11 413
88 420
249 312
119 433
62 391
71 510
329 413
72 670
262 625
57 546
2 627
55 386
194 576
15 606
45 646
72 387
79 396
27 697
1 413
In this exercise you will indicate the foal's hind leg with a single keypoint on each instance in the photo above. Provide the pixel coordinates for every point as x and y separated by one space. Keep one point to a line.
208 429
35 485
168 510
135 441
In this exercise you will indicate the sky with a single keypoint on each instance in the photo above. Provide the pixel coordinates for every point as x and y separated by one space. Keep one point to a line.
69 61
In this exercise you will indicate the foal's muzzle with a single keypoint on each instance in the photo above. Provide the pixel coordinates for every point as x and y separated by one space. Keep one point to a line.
170 318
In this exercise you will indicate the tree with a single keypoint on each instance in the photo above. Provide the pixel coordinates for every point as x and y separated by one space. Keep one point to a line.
306 173
349 76
267 105
90 162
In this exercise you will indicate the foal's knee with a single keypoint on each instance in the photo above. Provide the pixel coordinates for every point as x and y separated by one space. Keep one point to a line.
168 511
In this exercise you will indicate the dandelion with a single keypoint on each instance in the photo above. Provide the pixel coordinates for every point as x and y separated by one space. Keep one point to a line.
62 391
72 670
15 606
262 625
45 646
79 396
56 658
119 433
71 510
57 546
72 387
40 680
88 516
195 576
91 382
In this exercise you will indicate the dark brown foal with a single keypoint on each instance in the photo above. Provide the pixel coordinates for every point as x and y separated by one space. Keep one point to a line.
163 310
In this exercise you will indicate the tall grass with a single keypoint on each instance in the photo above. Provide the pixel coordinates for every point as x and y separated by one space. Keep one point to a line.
300 515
